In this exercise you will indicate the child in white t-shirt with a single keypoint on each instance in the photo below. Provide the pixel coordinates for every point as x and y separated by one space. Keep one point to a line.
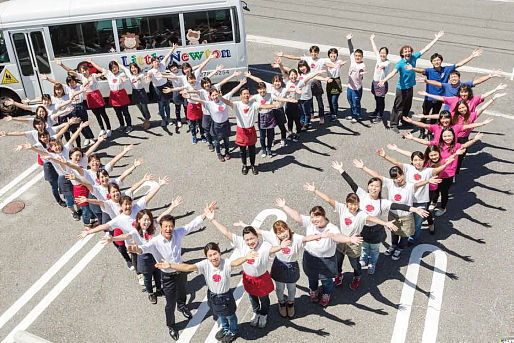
355 75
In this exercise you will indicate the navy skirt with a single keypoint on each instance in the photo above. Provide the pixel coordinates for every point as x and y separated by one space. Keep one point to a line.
286 272
220 130
139 96
222 304
145 263
319 267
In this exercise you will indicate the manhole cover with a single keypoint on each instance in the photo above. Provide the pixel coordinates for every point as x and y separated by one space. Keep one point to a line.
13 207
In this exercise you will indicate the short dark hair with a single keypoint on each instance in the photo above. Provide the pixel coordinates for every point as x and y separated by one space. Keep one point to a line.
419 154
385 48
70 78
125 198
436 55
456 72
333 51
74 150
112 64
167 218
211 246
318 211
358 51
352 198
302 63
395 171
204 81
37 121
135 66
261 85
46 96
249 229
314 48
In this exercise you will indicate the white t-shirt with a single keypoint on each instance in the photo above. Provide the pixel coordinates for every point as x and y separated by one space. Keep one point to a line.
101 193
349 223
266 100
184 82
354 73
32 135
127 222
400 195
137 81
187 86
373 207
92 79
292 88
156 75
114 80
315 65
91 177
381 69
287 254
218 110
246 114
321 247
412 175
79 99
256 266
217 279
140 240
305 86
178 81
334 72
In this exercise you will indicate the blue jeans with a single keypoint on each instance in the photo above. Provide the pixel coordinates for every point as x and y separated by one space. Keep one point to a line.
333 103
67 190
163 103
418 220
260 305
86 214
321 108
269 134
192 127
328 285
370 252
217 145
228 323
143 108
148 280
354 99
305 111
52 177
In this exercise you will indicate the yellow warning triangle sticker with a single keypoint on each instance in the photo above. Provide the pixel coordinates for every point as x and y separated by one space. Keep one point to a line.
8 78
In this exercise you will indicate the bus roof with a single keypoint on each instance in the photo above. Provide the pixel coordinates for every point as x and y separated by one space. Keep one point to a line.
33 13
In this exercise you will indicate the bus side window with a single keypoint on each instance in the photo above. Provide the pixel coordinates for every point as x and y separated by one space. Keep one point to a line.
215 26
82 39
141 33
4 55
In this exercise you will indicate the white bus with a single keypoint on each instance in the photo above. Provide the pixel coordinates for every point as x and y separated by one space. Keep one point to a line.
35 32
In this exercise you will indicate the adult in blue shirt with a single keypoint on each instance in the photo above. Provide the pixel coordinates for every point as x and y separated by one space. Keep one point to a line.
406 81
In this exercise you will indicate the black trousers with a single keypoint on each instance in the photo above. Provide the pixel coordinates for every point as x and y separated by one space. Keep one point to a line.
430 105
293 117
123 112
174 288
443 189
402 105
251 152
101 117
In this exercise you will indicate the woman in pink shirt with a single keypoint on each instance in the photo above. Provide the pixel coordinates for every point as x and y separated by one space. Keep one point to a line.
448 146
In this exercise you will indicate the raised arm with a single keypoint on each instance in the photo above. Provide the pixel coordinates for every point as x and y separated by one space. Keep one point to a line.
204 63
137 163
433 180
76 134
350 44
313 75
68 69
489 103
394 147
390 224
289 57
174 204
360 165
238 87
181 267
433 96
388 77
339 167
145 178
431 44
416 69
239 261
221 228
46 78
374 44
122 154
500 87
169 53
311 188
294 214
164 181
95 146
446 163
102 70
10 102
482 79
475 139
253 77
476 53
228 78
417 123
381 152
409 136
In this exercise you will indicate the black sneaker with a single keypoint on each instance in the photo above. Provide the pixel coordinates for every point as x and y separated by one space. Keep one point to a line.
62 203
244 171
76 216
176 129
254 170
185 311
79 212
153 298
173 333
228 338
220 334
159 292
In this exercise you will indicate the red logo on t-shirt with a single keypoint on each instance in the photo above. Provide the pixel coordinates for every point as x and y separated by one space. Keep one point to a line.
417 177
108 196
252 261
221 108
397 197
370 208
147 236
121 211
300 78
347 221
216 278
313 65
292 86
286 250
245 110
263 102
134 223
114 80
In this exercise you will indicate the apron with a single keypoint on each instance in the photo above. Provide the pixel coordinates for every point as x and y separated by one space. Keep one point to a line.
139 96
145 263
220 131
246 137
376 90
286 272
118 98
81 190
259 286
266 120
222 304
350 250
194 111
95 99
373 234
405 224
319 267
316 87
335 86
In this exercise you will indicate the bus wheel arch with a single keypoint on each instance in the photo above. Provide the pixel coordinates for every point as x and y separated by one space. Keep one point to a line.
6 94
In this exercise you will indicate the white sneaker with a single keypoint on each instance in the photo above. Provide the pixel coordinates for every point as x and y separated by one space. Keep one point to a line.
108 133
439 212
101 133
179 123
255 320
263 154
87 142
431 207
263 320
353 121
363 263
349 117
141 279
282 143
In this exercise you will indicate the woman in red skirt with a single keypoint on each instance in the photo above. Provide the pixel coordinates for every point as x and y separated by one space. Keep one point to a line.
118 97
256 278
246 113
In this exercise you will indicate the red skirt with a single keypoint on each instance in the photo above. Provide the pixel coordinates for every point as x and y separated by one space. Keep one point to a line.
117 232
194 111
246 137
258 285
81 190
119 98
95 99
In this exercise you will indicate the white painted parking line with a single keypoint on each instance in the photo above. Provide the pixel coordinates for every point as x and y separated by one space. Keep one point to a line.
187 334
409 289
21 190
18 179
344 51
42 281
54 293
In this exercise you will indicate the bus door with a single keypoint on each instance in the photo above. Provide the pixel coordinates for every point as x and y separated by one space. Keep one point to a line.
32 60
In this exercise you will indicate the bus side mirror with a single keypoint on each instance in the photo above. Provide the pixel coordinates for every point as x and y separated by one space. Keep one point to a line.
245 6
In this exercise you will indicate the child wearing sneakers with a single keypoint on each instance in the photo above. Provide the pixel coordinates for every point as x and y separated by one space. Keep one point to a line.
351 222
319 255
355 74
